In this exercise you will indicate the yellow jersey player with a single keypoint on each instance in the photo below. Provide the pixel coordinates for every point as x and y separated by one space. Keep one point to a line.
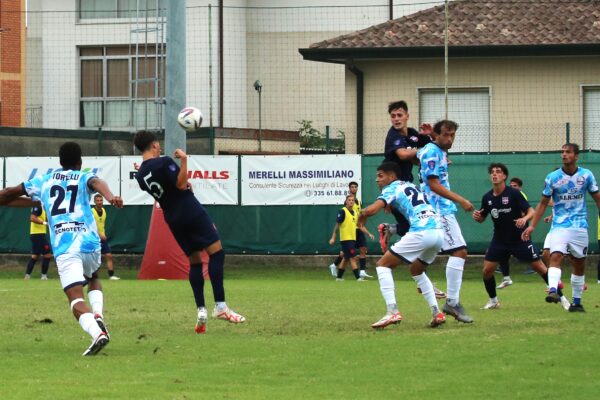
39 242
346 223
100 217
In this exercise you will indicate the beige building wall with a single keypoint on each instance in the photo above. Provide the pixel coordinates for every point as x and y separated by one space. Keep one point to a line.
531 99
247 145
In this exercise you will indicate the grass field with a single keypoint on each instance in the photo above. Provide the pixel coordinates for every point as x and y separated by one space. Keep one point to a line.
306 336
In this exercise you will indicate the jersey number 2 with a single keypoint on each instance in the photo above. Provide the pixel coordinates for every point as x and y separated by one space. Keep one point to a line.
59 192
154 188
415 196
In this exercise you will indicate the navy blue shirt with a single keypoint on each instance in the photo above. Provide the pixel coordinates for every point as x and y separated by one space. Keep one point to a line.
505 209
394 141
158 176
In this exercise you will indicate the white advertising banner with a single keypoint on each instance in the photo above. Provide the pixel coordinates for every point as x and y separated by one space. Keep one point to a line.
20 169
214 180
1 172
304 179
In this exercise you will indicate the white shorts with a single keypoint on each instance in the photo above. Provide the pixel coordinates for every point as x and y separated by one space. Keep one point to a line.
453 238
547 242
74 268
566 240
424 245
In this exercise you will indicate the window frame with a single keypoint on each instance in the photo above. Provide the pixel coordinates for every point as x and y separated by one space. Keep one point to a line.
104 99
461 88
582 88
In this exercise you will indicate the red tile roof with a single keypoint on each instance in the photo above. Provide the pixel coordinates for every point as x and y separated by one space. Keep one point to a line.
483 23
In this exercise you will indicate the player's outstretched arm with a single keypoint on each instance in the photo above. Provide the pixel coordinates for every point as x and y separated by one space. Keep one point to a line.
11 197
370 211
539 212
101 187
440 190
182 179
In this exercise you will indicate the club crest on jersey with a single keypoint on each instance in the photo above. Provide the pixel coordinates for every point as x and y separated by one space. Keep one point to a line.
172 167
397 142
431 164
580 180
414 138
505 200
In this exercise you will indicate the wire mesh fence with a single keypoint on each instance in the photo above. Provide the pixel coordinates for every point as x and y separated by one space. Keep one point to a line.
90 64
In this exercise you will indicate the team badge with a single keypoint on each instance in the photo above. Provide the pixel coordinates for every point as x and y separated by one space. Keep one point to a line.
580 180
172 167
431 164
397 142
413 139
505 200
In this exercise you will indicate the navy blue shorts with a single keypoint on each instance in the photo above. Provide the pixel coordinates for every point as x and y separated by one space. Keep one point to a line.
39 244
348 248
499 251
104 247
361 239
195 234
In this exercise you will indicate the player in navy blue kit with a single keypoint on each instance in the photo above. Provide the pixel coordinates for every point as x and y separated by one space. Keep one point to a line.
510 212
401 144
189 222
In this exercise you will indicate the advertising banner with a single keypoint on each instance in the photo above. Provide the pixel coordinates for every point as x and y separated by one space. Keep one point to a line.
20 169
214 179
298 180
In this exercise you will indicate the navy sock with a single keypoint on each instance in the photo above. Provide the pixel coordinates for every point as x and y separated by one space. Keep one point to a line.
30 266
363 263
216 262
45 265
111 273
356 273
337 261
505 268
490 286
340 273
197 284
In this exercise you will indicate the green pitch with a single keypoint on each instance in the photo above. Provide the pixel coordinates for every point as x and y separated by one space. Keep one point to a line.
306 337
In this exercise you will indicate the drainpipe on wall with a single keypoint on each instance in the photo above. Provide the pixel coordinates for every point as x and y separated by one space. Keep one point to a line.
360 94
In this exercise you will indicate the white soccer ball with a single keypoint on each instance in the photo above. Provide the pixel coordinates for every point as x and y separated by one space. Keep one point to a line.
190 119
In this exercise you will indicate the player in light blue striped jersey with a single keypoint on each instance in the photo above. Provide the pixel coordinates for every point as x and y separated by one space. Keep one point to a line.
434 175
66 194
568 234
418 247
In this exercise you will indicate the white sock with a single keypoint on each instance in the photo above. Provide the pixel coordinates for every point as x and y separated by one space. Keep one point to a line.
506 278
454 273
386 285
96 299
494 300
89 324
554 274
221 305
577 283
424 283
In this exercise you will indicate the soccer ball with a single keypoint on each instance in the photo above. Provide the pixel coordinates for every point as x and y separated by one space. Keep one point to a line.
190 119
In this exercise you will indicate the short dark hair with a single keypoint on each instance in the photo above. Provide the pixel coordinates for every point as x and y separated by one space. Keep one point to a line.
446 123
573 146
97 195
388 166
516 180
396 105
70 155
353 183
498 165
143 140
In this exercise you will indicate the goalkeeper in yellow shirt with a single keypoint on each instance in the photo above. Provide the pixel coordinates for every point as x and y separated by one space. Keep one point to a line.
100 217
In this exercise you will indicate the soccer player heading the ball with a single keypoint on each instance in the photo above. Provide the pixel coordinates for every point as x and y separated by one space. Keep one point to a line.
188 221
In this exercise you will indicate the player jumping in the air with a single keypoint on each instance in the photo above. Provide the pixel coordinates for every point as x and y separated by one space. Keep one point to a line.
189 222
